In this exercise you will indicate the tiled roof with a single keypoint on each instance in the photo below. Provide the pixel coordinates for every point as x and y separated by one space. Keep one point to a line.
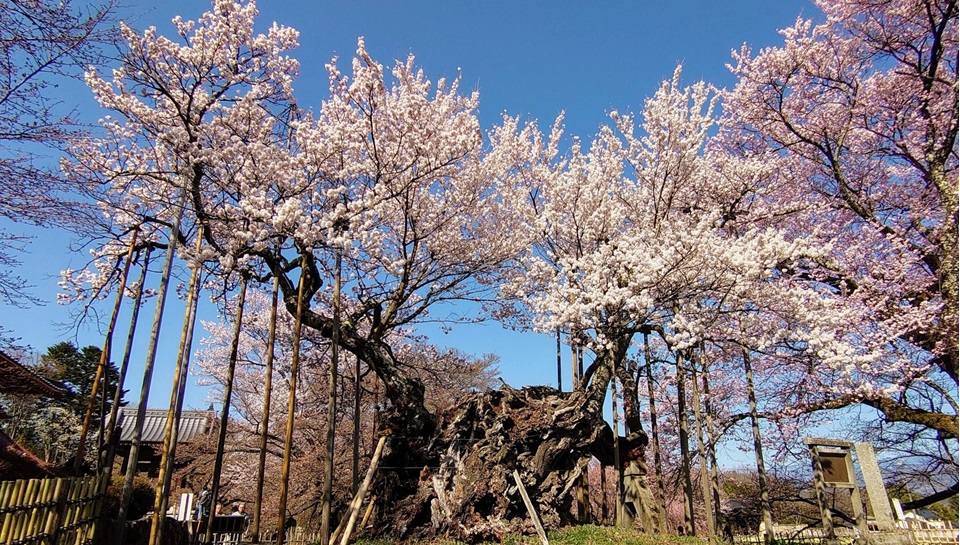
192 424
18 379
17 462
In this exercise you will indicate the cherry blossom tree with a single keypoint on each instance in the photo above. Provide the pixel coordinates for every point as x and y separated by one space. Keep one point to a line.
387 175
813 231
42 44
863 111
655 229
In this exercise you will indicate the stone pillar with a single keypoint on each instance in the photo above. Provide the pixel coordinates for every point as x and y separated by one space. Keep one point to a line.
876 492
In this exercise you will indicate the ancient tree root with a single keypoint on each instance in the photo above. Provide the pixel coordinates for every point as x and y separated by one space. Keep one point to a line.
465 487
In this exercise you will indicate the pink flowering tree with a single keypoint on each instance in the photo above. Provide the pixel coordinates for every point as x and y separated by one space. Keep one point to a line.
863 111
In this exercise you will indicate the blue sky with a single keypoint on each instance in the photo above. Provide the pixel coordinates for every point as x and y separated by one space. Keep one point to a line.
532 58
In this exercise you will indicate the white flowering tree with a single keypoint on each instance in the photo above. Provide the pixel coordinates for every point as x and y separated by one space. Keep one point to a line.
387 177
635 235
653 230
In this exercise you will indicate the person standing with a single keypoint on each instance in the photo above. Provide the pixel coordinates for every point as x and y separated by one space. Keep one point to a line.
203 503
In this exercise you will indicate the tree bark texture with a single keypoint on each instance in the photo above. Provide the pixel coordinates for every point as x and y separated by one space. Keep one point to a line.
463 487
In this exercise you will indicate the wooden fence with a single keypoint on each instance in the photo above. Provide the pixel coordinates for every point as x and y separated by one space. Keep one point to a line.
295 536
50 511
847 536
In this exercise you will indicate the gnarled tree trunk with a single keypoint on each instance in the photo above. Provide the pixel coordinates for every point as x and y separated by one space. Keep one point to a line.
451 474
465 490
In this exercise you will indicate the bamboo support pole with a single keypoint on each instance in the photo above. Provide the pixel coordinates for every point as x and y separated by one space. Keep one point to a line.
291 405
104 358
655 436
708 512
134 454
171 433
766 508
711 434
689 528
225 410
327 505
357 503
559 362
530 509
265 419
106 467
617 465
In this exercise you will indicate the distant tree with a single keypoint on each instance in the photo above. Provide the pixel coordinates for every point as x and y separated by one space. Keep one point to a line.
42 43
76 368
51 428
54 433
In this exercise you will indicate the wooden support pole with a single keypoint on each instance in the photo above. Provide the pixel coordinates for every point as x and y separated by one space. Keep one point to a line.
265 419
225 410
351 516
617 466
291 404
104 359
110 443
702 452
369 511
530 509
135 442
171 431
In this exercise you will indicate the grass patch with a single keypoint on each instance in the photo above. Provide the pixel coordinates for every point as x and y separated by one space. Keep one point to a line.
576 535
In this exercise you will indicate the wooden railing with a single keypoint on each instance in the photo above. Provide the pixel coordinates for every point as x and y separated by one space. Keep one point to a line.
295 536
50 511
944 534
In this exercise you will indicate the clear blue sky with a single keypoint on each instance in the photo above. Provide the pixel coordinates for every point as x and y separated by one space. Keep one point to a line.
533 58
